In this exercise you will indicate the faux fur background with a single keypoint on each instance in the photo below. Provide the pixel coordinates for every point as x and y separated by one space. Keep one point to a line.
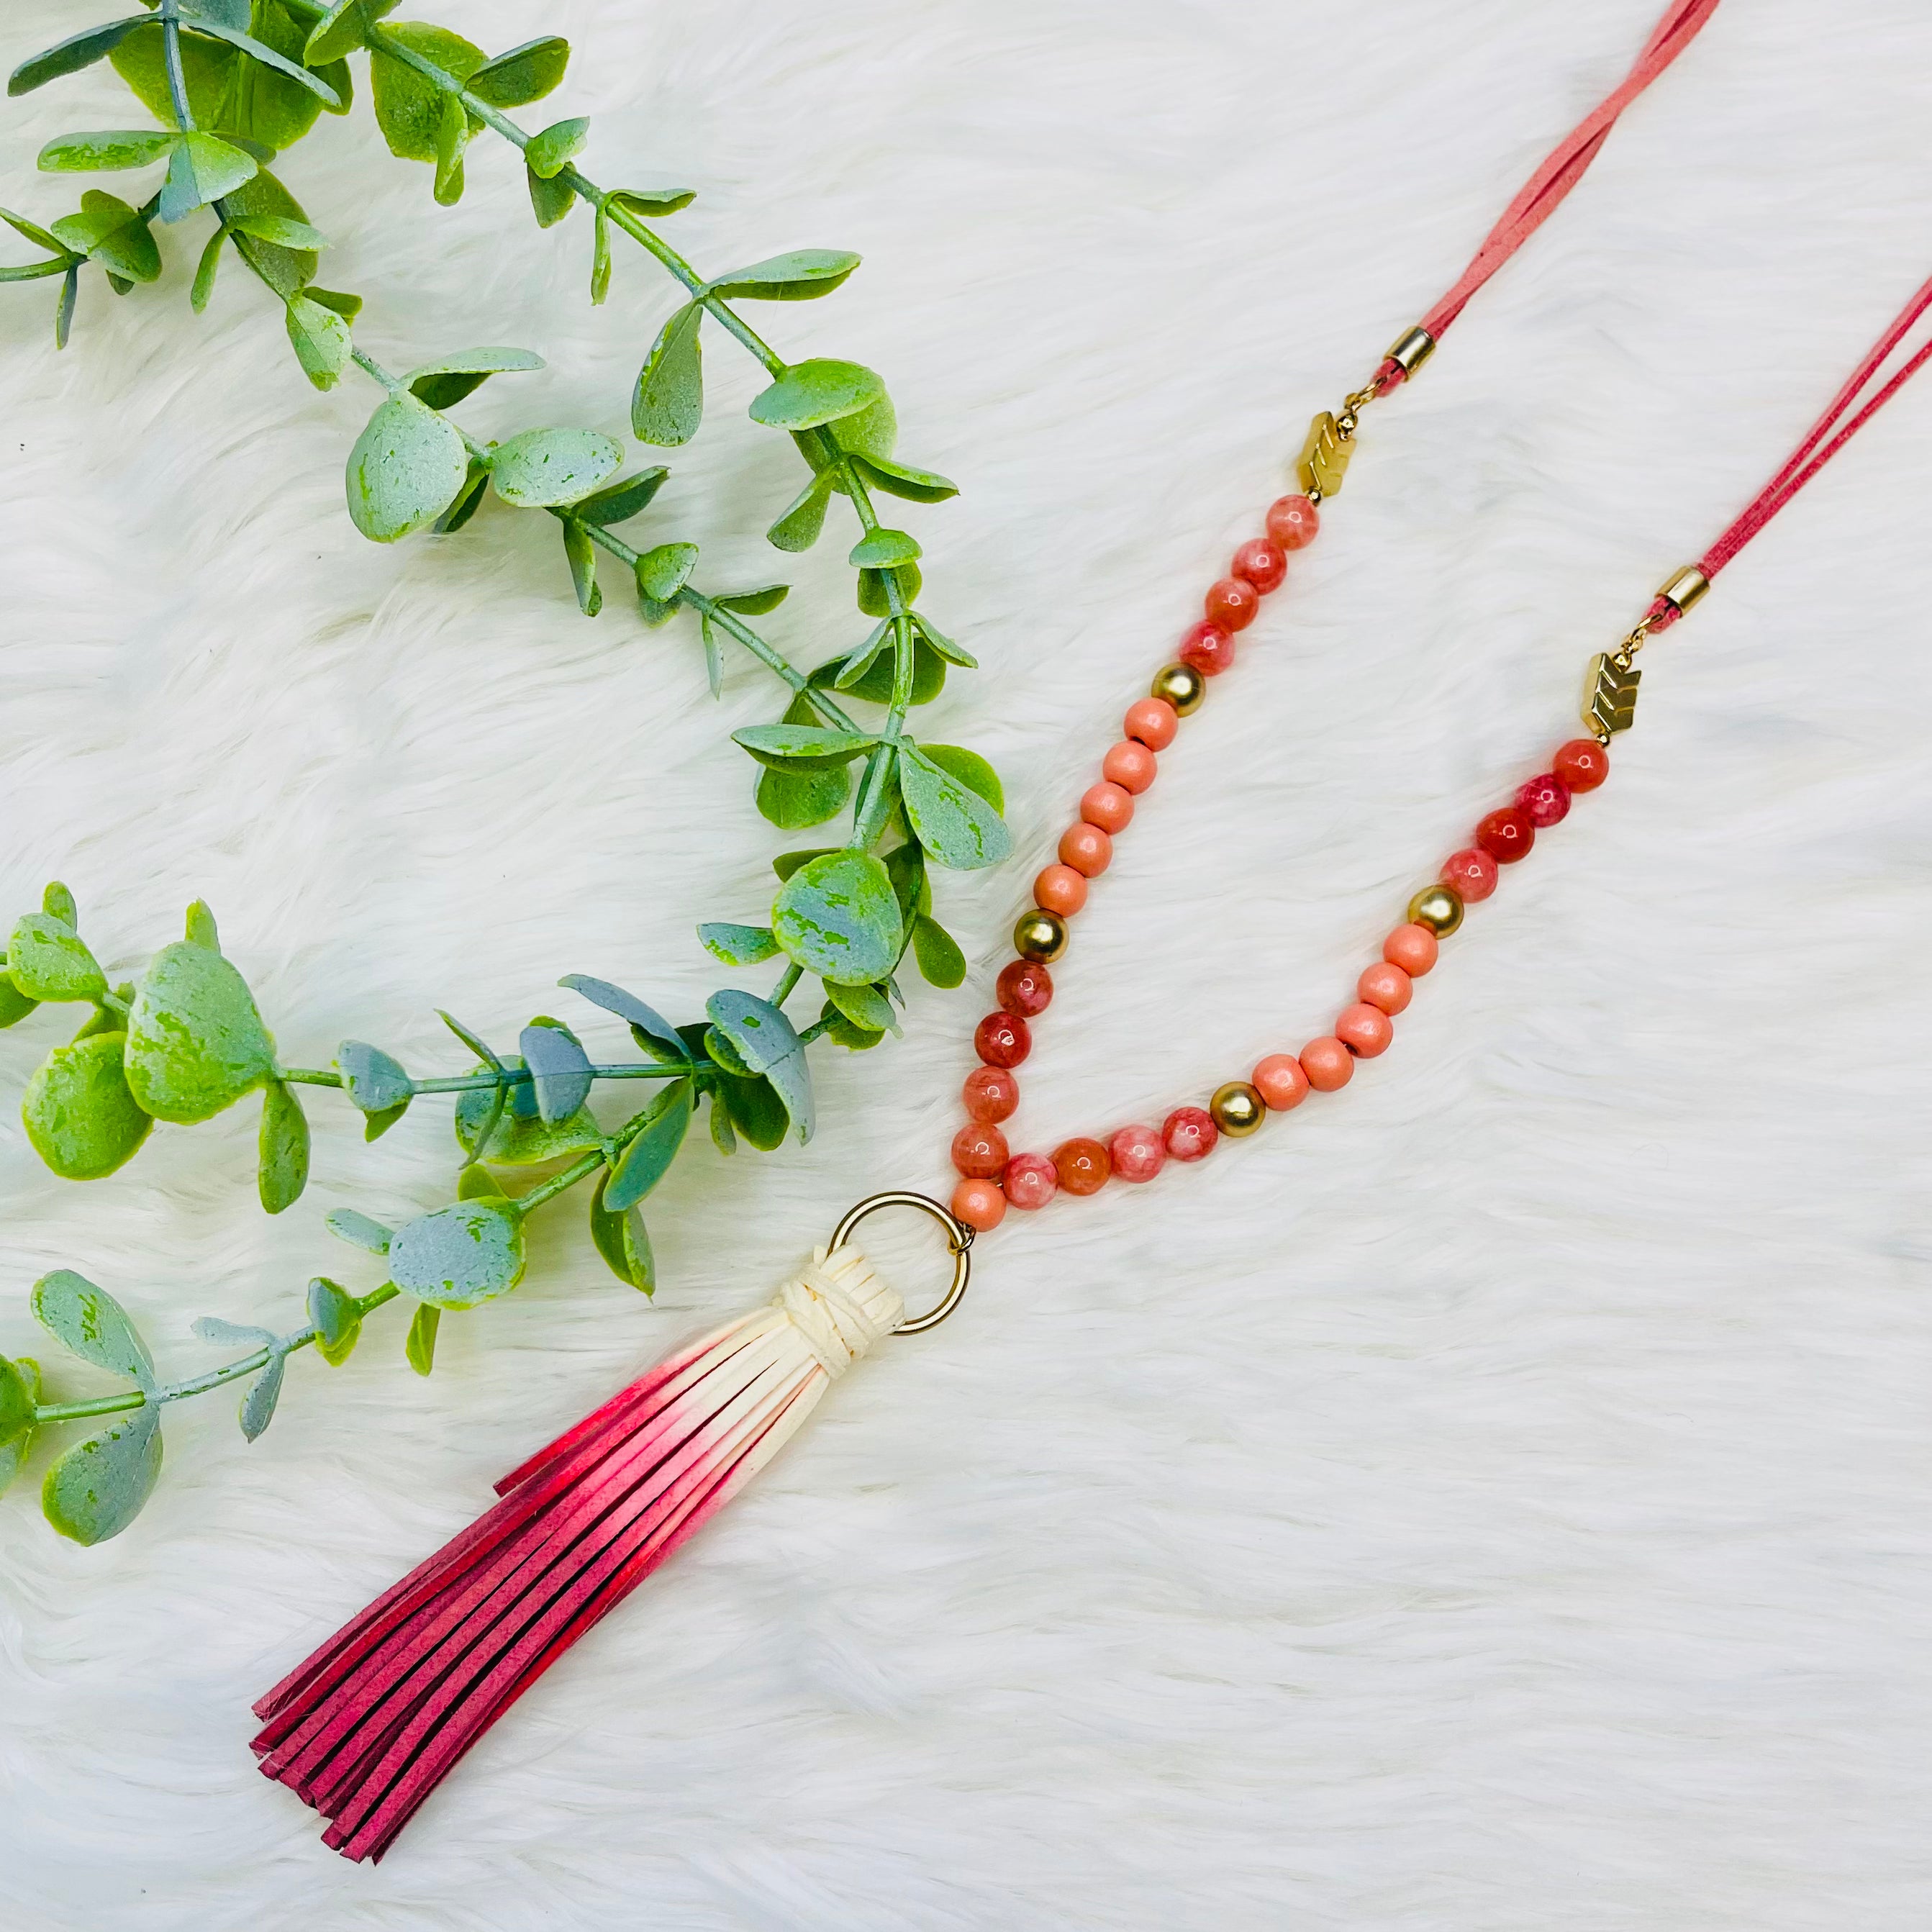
1495 1499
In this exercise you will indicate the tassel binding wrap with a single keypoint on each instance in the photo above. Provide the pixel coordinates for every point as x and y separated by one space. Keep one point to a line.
369 1726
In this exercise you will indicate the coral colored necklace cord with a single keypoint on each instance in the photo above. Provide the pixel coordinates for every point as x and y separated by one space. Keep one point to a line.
993 1178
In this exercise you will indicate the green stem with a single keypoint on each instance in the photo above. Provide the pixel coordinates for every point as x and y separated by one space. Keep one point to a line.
311 1076
177 79
788 980
828 707
580 1169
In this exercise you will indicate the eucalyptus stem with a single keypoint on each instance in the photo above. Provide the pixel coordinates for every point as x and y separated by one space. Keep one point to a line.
580 1169
177 78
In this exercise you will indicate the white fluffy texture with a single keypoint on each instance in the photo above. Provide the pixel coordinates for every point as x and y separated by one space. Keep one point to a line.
1493 1498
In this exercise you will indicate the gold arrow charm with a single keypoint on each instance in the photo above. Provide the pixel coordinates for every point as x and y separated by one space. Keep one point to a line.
1609 693
1324 457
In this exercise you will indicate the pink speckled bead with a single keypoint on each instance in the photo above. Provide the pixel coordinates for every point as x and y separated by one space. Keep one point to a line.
990 1094
1413 948
1328 1064
1060 889
1386 985
1032 1180
1233 603
1263 562
1208 648
1087 849
1137 1153
1364 1030
1293 521
1280 1082
1472 872
1190 1134
1130 765
980 1152
1546 800
1108 807
1154 721
980 1205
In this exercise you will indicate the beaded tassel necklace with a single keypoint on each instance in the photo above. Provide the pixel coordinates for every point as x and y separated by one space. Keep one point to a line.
367 1727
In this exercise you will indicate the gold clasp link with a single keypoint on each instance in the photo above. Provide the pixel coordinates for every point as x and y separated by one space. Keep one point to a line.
958 1240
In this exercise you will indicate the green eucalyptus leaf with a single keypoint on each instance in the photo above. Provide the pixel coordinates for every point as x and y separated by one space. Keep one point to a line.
644 1020
470 498
524 74
90 1323
794 801
764 1043
543 467
668 403
200 928
944 645
881 549
738 945
651 1148
202 292
900 479
875 600
70 56
580 554
818 390
339 31
787 863
600 259
46 959
865 1005
954 824
282 1170
259 50
655 201
419 1345
519 1139
491 361
124 147
875 687
838 917
847 1033
759 1033
459 1256
287 270
336 1318
56 899
905 866
98 1487
663 572
619 502
479 1183
376 1082
550 201
755 603
940 961
281 230
409 108
452 142
203 169
872 432
321 340
799 527
802 747
63 309
406 469
196 1043
347 307
358 1230
550 153
258 1405
622 1241
970 769
108 231
32 230
15 1005
19 1395
560 1070
802 276
79 1116
751 1107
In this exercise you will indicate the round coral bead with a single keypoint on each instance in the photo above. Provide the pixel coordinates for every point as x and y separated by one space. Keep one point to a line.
1189 1133
1280 1082
1545 799
1082 1165
1087 849
1108 807
1364 1030
1154 721
1328 1064
1472 872
990 1093
1583 764
1506 836
1001 1039
1060 889
1293 521
1413 948
981 1205
1024 987
1130 765
1233 603
1263 562
1031 1180
1208 648
1137 1153
980 1152
1387 986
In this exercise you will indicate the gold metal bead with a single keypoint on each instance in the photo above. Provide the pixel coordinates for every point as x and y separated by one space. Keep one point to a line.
1686 587
1181 686
1040 936
1237 1109
1439 908
1411 348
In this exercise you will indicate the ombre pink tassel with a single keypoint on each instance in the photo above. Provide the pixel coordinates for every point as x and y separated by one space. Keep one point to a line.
370 1725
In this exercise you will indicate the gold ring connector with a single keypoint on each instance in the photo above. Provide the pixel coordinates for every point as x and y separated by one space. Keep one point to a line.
958 1240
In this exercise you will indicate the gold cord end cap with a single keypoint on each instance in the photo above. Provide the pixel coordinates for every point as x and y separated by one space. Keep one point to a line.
1410 349
1686 588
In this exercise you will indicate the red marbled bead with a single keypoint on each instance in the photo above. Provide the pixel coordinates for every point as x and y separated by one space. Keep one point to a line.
1208 648
1545 799
990 1093
1473 874
1082 1165
1293 521
980 1152
1031 1180
1138 1153
1024 987
1001 1039
1189 1133
1583 764
1506 836
1232 604
1263 562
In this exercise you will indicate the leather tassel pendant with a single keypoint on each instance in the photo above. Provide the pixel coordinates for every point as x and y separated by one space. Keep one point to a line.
370 1725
